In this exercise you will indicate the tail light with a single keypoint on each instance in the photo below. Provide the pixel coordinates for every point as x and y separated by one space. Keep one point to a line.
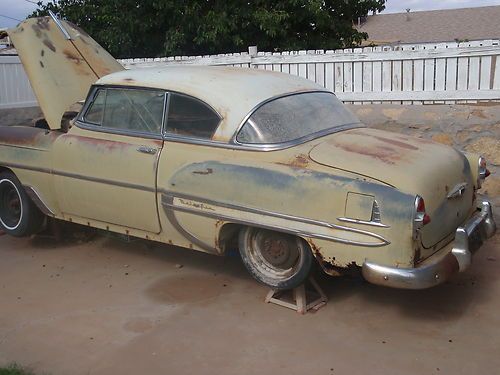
483 172
421 217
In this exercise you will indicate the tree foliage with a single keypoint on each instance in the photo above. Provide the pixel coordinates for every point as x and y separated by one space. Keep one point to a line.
149 28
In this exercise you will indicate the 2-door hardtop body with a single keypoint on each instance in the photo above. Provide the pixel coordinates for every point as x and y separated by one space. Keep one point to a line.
214 158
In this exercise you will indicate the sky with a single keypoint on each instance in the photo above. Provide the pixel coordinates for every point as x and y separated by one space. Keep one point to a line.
20 9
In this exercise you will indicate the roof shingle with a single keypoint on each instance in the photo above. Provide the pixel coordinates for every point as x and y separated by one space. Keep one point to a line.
434 26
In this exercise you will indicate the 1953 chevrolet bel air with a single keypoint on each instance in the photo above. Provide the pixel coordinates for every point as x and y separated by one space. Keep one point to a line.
212 158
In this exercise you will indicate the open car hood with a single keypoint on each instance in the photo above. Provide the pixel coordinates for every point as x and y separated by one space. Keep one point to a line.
61 61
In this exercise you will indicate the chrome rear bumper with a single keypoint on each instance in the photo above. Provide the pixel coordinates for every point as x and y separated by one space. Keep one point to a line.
436 270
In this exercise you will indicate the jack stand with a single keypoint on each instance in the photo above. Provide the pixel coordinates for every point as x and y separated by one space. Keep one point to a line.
298 302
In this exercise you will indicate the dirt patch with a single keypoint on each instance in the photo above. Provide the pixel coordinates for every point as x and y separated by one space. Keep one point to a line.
186 288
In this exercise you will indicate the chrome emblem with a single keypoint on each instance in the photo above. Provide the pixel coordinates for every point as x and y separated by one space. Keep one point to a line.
457 191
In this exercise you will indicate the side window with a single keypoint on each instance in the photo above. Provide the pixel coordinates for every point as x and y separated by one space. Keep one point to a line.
96 110
128 110
191 117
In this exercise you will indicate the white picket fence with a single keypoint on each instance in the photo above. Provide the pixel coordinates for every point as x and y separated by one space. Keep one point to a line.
15 88
407 74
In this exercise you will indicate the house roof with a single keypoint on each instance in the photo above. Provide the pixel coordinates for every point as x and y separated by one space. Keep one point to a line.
433 26
233 92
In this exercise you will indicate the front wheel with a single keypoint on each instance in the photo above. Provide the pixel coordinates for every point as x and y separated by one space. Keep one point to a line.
278 260
19 216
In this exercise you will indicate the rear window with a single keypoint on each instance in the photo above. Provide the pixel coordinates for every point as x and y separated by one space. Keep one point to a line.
293 117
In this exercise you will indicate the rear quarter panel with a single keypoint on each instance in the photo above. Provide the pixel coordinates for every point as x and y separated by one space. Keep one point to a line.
203 188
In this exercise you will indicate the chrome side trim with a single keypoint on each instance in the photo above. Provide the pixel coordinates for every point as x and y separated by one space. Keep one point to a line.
457 191
38 201
186 234
167 202
105 181
26 167
80 177
363 222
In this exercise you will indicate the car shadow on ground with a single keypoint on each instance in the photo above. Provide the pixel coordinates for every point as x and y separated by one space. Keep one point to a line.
450 300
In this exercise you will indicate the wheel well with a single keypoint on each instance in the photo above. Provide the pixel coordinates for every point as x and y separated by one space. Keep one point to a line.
5 169
228 237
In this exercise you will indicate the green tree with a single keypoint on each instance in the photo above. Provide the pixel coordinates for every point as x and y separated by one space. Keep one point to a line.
148 28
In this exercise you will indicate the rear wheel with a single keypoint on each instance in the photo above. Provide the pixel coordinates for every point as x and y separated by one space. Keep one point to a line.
278 260
18 215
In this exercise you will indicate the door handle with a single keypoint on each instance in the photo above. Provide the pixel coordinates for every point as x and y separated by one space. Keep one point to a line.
147 150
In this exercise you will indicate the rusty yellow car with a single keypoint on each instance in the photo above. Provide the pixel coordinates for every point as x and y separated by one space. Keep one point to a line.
214 159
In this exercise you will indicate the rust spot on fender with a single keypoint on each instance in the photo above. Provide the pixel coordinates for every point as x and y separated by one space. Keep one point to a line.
43 23
397 143
72 57
328 267
26 136
299 161
49 45
391 141
385 154
205 172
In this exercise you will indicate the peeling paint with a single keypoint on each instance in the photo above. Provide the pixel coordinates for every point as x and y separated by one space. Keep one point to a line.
49 45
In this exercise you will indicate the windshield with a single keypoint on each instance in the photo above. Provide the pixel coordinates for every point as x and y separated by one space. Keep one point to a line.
295 116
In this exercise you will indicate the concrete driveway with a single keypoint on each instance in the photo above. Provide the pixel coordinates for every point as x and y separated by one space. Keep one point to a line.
105 306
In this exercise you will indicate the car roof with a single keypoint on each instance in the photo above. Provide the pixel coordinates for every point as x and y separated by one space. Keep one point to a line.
232 92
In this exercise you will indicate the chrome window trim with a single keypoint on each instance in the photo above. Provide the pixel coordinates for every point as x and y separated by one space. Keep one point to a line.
83 124
293 142
100 129
233 144
89 107
260 147
298 141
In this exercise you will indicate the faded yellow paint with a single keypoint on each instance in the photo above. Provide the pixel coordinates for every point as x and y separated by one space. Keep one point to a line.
60 71
190 194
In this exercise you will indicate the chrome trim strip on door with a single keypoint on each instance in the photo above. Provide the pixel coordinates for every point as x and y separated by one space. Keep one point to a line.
80 177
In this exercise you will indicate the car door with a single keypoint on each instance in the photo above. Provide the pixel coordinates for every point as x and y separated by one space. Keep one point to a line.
105 167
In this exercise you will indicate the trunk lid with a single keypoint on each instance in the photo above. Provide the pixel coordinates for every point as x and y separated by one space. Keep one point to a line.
413 165
60 70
